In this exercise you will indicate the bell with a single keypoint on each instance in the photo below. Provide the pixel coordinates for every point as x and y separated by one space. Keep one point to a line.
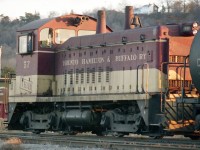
136 21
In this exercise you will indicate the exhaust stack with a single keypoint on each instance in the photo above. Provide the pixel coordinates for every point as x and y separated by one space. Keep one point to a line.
129 15
101 22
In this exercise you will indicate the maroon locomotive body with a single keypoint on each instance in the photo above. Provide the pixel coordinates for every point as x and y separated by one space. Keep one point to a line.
72 78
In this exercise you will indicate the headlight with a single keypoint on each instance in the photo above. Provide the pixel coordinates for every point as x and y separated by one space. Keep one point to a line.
195 32
195 25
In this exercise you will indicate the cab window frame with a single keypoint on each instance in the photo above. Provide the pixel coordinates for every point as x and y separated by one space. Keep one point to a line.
61 41
83 32
26 43
48 38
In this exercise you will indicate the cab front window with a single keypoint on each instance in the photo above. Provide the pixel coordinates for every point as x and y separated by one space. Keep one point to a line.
46 38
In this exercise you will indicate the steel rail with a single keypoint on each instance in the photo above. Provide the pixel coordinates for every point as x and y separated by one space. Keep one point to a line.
106 142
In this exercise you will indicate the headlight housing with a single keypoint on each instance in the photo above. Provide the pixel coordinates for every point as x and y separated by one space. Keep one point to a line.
189 29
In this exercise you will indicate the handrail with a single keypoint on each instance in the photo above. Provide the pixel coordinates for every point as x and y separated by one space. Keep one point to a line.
147 81
137 90
177 68
183 87
147 77
137 80
161 83
6 79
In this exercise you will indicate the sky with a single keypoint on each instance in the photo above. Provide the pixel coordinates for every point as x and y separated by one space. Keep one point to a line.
16 8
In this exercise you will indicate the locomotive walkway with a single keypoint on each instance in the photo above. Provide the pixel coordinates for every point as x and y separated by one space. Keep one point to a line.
92 141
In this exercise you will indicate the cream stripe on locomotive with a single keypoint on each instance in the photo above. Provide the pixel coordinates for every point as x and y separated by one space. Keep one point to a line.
88 83
31 85
109 82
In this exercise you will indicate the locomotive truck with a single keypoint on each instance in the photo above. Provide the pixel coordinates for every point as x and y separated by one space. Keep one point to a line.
74 74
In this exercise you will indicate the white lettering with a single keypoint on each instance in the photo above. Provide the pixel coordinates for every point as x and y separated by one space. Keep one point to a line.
70 62
26 64
126 57
26 85
108 59
99 60
142 56
92 61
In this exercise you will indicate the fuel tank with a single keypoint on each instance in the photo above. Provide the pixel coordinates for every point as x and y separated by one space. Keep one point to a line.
194 61
78 118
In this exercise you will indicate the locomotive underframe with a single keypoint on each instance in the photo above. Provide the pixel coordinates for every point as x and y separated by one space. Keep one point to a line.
118 117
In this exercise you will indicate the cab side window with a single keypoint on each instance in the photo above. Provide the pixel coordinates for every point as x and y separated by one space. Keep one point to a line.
46 38
61 35
86 32
25 43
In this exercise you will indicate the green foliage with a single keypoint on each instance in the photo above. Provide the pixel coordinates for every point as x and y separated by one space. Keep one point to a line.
5 71
8 30
29 17
52 14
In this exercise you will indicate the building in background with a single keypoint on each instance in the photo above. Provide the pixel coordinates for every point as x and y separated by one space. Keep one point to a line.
147 9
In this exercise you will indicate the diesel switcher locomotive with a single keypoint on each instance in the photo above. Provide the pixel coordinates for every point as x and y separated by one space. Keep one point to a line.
74 74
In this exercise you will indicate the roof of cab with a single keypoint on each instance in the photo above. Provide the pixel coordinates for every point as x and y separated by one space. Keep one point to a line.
38 23
34 24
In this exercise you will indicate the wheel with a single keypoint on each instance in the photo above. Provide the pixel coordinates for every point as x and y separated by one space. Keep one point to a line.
157 137
37 131
73 133
69 133
99 131
194 137
100 134
118 134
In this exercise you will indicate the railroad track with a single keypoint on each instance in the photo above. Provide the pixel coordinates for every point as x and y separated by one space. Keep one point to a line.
107 142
